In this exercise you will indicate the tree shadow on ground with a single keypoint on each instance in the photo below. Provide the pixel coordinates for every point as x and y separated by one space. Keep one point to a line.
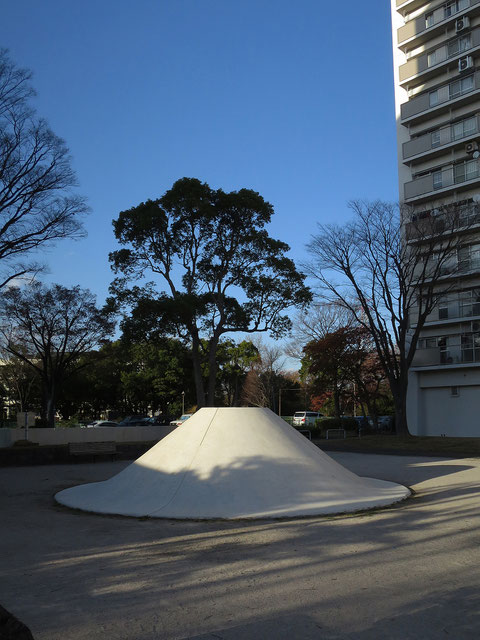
62 568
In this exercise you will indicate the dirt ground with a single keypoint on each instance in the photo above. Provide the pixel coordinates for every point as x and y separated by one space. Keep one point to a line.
410 571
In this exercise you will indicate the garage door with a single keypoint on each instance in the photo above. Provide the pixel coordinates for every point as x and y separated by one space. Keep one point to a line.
451 415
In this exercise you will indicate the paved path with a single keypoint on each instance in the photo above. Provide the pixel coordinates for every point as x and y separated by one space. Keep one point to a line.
408 572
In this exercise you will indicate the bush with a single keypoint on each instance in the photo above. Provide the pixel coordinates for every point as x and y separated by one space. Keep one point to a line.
349 424
24 443
329 423
322 424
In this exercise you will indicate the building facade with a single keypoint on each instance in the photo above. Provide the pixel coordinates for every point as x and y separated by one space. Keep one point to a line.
436 50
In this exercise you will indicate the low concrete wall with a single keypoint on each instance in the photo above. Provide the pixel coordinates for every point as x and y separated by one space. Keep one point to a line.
5 437
76 434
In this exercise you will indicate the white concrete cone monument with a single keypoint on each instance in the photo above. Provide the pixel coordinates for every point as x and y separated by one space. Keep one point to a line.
233 463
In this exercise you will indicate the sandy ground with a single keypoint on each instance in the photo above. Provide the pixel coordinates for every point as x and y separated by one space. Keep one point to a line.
410 571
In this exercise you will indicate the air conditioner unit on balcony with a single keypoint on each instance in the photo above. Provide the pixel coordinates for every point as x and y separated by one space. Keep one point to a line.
462 23
471 147
465 63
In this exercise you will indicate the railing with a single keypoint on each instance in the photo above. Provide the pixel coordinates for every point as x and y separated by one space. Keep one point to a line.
431 19
439 138
446 177
461 267
444 96
434 60
451 309
430 225
451 356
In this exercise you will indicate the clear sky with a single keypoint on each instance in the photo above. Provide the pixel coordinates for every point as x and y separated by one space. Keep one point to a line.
292 99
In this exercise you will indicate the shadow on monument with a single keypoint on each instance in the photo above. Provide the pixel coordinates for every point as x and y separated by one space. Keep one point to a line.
250 487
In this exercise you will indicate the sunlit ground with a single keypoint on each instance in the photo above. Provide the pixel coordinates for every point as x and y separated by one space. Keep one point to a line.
410 571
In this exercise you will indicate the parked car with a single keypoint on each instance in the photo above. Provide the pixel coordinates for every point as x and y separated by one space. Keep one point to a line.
102 423
181 420
363 422
385 422
136 421
306 418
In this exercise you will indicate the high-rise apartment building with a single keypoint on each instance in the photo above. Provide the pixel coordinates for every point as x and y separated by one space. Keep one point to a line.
436 49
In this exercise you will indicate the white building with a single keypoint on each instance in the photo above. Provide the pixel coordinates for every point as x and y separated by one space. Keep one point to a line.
436 49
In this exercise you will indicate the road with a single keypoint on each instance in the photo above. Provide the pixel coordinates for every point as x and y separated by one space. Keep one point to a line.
406 572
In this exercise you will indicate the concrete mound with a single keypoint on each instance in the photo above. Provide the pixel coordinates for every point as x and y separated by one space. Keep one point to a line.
233 463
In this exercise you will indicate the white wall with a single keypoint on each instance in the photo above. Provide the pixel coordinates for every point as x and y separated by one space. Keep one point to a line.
76 434
432 410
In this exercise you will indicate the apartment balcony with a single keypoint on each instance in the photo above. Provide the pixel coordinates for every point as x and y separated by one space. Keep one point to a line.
459 177
429 226
431 63
421 29
452 311
436 142
409 5
429 104
438 357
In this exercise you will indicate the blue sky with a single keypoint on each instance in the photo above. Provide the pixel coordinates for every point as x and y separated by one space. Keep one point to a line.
293 100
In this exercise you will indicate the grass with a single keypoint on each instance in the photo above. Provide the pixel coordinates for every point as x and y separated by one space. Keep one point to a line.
383 443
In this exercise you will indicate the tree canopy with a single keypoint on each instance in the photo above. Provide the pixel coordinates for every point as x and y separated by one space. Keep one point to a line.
216 270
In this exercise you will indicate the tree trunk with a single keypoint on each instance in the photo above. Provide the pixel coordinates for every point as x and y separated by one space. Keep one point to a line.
50 406
372 412
336 402
399 392
212 371
197 373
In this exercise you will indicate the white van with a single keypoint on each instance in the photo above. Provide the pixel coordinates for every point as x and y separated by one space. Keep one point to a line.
306 418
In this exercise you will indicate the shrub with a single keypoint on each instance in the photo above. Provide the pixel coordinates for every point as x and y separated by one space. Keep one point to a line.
24 443
349 424
322 424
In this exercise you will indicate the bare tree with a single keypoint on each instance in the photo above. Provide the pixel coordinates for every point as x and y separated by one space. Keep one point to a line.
37 206
49 328
19 381
381 267
261 384
314 323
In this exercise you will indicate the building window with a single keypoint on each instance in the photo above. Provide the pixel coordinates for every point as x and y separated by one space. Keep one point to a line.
459 87
464 128
454 391
437 179
466 171
469 303
451 8
433 98
468 257
436 138
432 59
443 309
471 347
459 45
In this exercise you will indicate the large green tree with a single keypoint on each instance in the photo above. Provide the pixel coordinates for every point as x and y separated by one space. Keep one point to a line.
221 271
234 361
126 378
